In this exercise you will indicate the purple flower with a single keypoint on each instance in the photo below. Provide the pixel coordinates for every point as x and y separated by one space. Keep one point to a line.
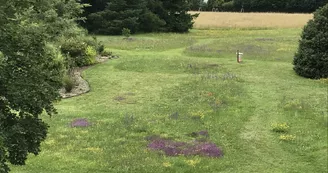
157 144
208 149
171 151
80 123
174 148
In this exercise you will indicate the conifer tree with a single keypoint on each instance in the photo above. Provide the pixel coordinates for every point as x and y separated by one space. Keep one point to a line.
117 15
311 59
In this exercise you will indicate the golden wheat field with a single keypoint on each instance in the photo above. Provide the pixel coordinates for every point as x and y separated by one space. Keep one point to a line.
250 20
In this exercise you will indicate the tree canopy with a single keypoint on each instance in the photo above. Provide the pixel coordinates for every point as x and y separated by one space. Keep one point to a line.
311 59
111 16
31 71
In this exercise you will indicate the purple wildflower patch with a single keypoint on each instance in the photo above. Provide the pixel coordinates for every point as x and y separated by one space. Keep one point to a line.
174 148
208 149
80 122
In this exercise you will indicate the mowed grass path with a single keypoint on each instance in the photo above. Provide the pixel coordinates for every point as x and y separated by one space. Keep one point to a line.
171 85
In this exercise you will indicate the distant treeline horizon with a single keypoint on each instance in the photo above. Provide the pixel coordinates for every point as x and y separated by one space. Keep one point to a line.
287 6
110 17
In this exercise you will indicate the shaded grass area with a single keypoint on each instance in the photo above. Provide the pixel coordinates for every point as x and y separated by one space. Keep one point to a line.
171 91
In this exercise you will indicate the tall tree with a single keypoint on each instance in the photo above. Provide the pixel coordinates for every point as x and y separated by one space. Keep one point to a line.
138 16
118 14
149 20
195 5
311 59
31 71
175 13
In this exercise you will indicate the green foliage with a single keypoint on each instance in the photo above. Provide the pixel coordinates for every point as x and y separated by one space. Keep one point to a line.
2 58
31 71
175 14
73 47
214 4
3 167
106 53
194 5
150 22
91 54
80 50
100 47
118 14
126 32
228 6
30 78
93 42
22 135
311 59
68 83
138 16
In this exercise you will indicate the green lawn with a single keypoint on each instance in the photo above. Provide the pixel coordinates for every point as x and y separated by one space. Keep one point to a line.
171 85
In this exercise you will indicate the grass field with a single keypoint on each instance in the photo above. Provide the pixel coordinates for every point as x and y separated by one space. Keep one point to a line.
262 115
209 20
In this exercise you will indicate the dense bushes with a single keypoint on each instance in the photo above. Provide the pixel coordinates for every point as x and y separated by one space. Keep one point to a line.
118 14
81 51
68 83
311 60
195 5
111 16
150 22
174 13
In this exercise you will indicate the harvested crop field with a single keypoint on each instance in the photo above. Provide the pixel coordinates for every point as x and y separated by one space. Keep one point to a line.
209 20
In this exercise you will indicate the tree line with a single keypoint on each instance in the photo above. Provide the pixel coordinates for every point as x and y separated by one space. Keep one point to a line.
111 16
290 6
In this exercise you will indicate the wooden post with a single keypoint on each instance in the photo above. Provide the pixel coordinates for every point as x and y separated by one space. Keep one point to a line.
237 56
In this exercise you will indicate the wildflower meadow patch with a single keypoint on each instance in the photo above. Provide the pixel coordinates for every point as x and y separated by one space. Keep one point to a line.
80 122
170 147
